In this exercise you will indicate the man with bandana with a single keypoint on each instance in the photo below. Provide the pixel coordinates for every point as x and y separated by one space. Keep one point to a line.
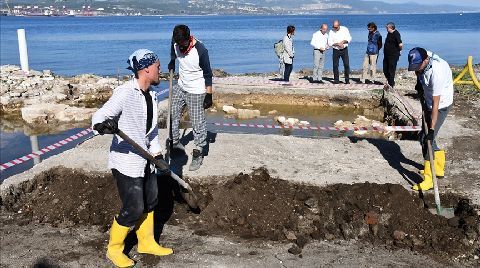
133 109
194 89
435 87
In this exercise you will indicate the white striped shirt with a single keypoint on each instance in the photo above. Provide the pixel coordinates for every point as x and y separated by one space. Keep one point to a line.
127 105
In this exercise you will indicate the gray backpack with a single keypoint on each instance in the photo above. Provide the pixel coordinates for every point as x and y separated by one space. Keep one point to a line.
278 46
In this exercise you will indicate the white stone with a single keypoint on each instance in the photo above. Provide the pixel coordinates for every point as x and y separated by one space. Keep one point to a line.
60 96
304 123
292 121
247 113
281 119
34 73
44 112
5 99
229 109
15 94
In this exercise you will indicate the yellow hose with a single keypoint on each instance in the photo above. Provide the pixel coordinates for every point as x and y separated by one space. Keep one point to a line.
468 67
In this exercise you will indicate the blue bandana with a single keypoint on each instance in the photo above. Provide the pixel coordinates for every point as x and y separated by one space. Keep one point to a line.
141 59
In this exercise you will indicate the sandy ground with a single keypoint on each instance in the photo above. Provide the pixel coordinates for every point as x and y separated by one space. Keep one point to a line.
311 161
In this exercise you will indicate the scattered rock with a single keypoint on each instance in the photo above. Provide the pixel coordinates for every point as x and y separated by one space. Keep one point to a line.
219 73
371 218
295 250
229 109
290 235
399 235
247 113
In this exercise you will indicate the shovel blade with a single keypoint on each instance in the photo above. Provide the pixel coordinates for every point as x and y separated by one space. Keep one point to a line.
444 212
191 200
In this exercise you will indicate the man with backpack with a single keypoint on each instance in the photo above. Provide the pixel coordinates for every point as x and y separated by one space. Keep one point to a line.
371 55
278 47
288 52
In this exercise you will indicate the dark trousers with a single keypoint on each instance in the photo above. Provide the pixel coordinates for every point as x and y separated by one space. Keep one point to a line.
337 54
138 196
288 71
389 68
442 115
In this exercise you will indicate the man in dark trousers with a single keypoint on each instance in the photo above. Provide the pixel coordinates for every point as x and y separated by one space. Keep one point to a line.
392 48
133 109
338 38
194 89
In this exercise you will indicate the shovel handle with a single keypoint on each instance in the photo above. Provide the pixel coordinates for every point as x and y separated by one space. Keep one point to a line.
157 162
432 167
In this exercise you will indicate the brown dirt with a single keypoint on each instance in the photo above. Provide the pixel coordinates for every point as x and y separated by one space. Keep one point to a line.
258 207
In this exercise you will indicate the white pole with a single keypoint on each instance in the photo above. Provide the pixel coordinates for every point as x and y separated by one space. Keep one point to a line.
34 144
22 48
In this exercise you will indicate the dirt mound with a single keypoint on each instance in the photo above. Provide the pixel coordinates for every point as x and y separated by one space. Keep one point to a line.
65 197
256 206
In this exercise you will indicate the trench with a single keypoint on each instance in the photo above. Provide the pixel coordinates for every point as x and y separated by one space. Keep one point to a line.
316 110
259 207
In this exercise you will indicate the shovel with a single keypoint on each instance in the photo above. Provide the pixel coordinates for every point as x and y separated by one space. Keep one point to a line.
445 212
169 119
186 192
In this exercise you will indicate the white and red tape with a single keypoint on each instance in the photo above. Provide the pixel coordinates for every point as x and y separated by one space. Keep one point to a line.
44 150
85 132
382 128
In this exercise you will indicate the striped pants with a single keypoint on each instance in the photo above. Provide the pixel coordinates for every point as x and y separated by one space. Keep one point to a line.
196 112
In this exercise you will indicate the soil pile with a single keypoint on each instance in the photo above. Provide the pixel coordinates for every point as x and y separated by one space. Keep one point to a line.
257 206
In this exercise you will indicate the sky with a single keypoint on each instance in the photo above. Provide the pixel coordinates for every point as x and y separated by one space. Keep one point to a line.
472 3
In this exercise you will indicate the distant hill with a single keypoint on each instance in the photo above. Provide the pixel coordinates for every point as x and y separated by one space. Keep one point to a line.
197 7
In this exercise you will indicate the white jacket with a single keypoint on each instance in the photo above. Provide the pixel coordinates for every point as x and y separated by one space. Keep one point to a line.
127 106
288 50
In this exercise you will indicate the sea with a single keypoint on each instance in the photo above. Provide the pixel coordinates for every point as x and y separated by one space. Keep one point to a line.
71 46
236 44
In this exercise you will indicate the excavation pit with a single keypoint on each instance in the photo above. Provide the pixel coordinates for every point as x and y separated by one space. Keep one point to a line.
256 206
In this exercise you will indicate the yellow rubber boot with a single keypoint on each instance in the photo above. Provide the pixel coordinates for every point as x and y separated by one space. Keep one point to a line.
116 244
146 241
427 182
440 163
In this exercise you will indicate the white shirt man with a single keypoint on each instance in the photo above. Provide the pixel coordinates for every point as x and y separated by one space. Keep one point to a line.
339 38
336 38
320 45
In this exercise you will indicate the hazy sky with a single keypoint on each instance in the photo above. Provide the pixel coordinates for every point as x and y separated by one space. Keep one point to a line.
473 3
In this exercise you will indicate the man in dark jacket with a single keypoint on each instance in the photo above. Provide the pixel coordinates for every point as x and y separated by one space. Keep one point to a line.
371 55
392 48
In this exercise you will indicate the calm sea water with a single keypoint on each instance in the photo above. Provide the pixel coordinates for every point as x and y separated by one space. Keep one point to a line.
238 44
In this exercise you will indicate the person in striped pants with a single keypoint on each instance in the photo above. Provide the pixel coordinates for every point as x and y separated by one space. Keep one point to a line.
194 89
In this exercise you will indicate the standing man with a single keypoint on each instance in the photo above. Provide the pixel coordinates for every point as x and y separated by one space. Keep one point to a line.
194 89
320 45
133 109
393 47
435 86
288 52
339 38
371 55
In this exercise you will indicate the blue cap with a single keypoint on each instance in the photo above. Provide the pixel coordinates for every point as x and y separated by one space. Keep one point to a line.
141 59
415 58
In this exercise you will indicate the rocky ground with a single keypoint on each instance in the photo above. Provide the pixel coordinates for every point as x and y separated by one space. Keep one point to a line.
265 201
